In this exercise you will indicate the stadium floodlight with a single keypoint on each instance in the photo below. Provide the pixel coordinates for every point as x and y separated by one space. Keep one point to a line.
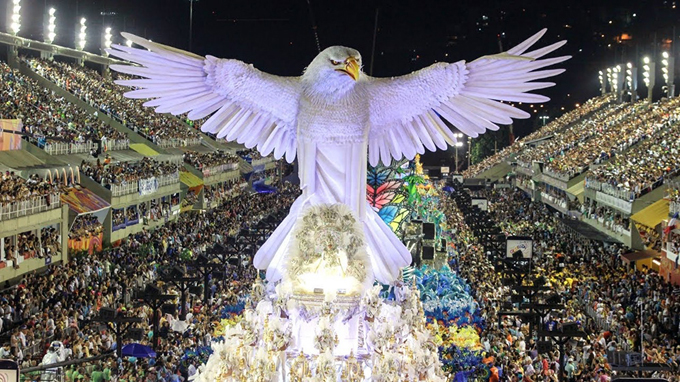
603 84
615 78
648 76
632 81
14 13
81 40
668 68
106 40
50 33
107 37
128 43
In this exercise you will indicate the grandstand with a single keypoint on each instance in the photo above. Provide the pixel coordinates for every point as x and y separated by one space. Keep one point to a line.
121 168
96 170
609 167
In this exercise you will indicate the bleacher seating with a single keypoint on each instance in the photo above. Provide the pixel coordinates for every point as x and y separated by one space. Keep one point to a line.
50 121
103 94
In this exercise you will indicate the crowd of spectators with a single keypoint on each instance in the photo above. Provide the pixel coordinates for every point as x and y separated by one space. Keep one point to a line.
118 217
18 194
48 118
155 209
560 198
579 132
59 305
85 226
250 155
212 162
615 137
612 219
26 245
109 173
103 94
644 167
553 127
601 293
214 193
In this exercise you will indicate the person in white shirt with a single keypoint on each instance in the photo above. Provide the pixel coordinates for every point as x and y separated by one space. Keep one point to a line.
529 368
191 370
5 351
521 346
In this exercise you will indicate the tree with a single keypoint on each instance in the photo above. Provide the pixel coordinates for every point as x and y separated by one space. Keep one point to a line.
484 145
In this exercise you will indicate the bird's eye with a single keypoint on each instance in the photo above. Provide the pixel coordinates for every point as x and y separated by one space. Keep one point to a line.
334 62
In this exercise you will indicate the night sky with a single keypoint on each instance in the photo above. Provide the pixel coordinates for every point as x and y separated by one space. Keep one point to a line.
277 37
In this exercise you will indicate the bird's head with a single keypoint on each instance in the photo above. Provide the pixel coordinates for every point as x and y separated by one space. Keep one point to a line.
335 69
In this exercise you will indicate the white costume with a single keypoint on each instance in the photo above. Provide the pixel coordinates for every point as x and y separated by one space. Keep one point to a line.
335 118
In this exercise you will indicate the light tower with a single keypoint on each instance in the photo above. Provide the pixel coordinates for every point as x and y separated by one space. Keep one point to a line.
81 38
50 26
14 17
609 79
617 85
106 40
603 83
631 81
668 69
649 76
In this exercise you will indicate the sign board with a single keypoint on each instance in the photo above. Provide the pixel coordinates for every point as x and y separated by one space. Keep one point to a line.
9 371
482 203
148 186
519 243
10 138
445 169
457 177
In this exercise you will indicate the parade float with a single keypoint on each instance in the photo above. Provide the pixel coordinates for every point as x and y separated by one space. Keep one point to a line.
320 315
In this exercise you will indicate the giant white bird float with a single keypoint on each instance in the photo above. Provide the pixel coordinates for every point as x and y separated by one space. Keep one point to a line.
335 118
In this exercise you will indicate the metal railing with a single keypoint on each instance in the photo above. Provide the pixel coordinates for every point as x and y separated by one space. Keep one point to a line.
600 321
117 144
674 208
608 189
132 187
214 170
80 148
167 179
177 142
56 148
30 206
124 188
561 202
261 161
563 176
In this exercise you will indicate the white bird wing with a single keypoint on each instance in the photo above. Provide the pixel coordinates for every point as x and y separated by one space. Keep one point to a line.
407 113
248 106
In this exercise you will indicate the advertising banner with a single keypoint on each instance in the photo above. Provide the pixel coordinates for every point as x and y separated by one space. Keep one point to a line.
519 243
10 139
91 244
148 186
482 203
9 371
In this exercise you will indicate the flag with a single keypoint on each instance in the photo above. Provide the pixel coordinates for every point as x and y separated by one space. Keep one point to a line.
671 224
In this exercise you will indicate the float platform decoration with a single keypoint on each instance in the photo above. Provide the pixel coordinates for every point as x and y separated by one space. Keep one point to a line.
318 318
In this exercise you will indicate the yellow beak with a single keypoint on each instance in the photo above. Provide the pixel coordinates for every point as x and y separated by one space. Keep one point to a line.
352 68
